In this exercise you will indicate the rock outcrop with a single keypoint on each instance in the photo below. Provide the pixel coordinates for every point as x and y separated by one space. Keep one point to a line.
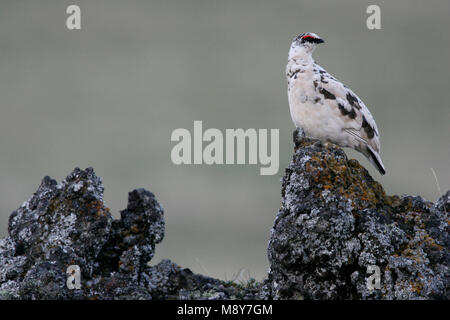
68 224
335 224
336 221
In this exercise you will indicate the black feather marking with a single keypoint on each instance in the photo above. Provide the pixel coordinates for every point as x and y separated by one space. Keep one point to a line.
327 94
377 163
292 73
311 39
343 109
315 84
351 114
353 101
367 128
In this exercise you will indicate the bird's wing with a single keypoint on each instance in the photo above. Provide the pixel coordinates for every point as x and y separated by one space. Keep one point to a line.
358 119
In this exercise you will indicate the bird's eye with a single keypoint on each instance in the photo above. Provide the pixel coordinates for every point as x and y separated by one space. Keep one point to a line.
311 39
308 37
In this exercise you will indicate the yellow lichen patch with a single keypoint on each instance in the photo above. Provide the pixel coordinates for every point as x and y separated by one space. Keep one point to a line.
100 209
349 179
134 228
416 287
415 218
393 201
430 241
54 203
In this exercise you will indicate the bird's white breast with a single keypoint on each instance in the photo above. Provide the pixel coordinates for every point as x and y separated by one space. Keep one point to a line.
310 111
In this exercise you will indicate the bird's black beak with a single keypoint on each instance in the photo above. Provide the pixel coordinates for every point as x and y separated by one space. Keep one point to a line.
320 41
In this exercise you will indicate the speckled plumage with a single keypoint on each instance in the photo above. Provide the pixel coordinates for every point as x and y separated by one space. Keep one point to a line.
324 107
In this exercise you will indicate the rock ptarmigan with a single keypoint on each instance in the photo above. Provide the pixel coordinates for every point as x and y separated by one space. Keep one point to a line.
324 108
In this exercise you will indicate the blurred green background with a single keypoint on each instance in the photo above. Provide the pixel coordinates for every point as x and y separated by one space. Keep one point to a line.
110 95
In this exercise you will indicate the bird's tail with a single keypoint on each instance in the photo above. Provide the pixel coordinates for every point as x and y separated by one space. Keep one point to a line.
375 159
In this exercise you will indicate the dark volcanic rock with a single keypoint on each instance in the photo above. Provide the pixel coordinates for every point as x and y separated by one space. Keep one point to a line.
132 241
167 280
68 224
60 225
335 221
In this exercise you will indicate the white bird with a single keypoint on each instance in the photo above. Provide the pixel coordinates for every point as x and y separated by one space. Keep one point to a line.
326 109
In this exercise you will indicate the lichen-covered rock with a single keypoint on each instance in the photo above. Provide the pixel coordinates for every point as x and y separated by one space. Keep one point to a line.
167 280
68 224
65 222
133 238
45 281
116 286
336 221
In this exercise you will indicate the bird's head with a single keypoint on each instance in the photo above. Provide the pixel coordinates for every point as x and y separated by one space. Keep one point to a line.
305 43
